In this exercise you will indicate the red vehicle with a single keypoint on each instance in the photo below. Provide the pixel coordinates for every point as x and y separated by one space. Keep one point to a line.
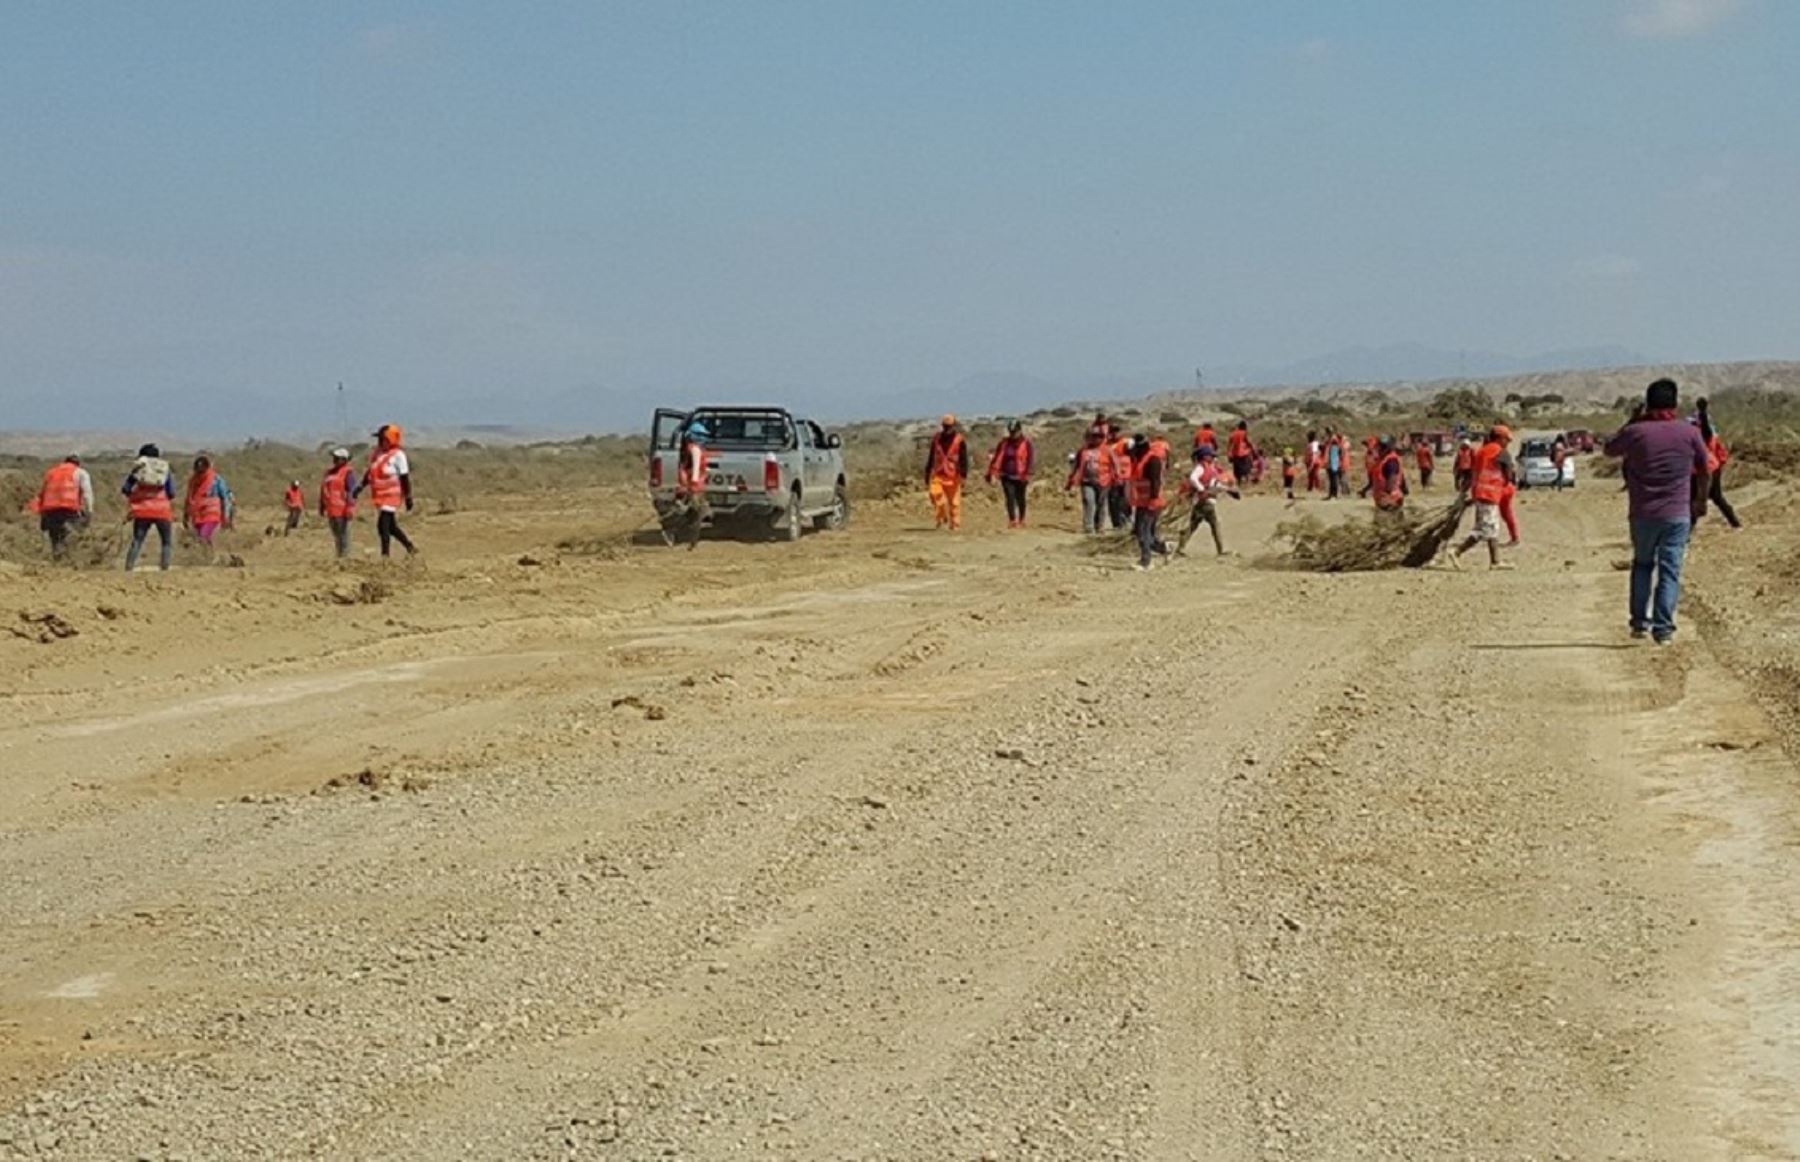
1578 440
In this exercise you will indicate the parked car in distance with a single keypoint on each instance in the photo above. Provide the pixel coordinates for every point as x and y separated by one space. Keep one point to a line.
1537 469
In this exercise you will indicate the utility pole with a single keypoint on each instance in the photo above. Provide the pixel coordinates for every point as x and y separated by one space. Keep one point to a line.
343 414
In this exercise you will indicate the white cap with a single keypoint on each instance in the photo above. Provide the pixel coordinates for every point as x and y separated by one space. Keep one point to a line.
340 453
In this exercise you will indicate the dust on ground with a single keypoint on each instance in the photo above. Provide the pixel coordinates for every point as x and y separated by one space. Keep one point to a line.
893 844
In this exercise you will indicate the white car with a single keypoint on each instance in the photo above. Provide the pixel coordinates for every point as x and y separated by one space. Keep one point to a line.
1538 470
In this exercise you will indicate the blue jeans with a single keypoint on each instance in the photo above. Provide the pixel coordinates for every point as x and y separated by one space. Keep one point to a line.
1658 548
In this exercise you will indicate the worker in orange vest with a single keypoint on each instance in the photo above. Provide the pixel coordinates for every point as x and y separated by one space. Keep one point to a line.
64 502
337 499
1091 470
389 484
946 467
695 464
1206 437
1240 452
1149 467
1422 455
1011 465
1717 456
1465 463
1387 479
295 501
1203 487
1118 501
150 497
208 506
1490 471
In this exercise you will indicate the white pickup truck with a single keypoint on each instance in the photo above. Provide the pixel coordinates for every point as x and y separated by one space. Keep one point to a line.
769 468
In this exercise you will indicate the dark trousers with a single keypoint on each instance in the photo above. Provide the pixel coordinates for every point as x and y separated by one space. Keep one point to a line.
293 521
387 526
1334 483
1716 495
340 534
57 525
1144 522
1116 506
1205 512
140 532
1015 498
1425 478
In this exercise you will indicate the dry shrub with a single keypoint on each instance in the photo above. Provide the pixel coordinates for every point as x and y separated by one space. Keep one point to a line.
1409 540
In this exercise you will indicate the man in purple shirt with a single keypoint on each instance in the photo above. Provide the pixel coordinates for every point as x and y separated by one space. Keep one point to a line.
1666 475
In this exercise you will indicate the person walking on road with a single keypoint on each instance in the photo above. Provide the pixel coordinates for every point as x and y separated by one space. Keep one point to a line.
150 496
1011 464
1092 472
1241 453
1559 455
946 467
1203 486
1289 472
1718 456
1464 464
1491 468
1334 465
337 503
1426 460
1118 501
207 508
64 502
389 484
1507 516
295 501
1387 479
1206 437
1315 462
1149 465
1668 476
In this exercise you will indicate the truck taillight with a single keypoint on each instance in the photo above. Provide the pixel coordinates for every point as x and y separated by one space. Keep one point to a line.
771 475
656 471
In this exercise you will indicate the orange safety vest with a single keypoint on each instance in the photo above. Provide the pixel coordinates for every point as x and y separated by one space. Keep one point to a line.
385 485
1093 465
334 493
1144 494
696 463
1384 496
1490 483
61 491
1465 459
1422 453
1121 458
946 459
203 507
150 502
1240 444
1011 459
295 499
1717 454
1206 438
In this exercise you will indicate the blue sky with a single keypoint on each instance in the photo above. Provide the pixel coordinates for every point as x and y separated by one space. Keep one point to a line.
556 211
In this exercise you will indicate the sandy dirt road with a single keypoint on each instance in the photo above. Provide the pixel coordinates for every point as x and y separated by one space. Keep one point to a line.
891 845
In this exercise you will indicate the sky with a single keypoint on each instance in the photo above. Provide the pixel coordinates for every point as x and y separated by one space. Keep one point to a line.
567 213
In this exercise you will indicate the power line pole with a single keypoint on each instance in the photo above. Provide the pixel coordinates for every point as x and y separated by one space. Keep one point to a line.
343 414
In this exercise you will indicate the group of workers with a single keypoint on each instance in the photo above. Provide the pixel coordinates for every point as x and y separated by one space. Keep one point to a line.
65 501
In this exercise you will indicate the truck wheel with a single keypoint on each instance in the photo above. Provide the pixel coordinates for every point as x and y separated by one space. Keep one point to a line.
795 523
839 516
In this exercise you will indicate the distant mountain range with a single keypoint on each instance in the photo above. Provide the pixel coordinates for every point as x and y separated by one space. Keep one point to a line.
515 412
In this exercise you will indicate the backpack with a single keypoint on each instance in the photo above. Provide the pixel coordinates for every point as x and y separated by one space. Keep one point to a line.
150 472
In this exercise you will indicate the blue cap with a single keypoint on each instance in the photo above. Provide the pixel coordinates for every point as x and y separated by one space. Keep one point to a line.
697 431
